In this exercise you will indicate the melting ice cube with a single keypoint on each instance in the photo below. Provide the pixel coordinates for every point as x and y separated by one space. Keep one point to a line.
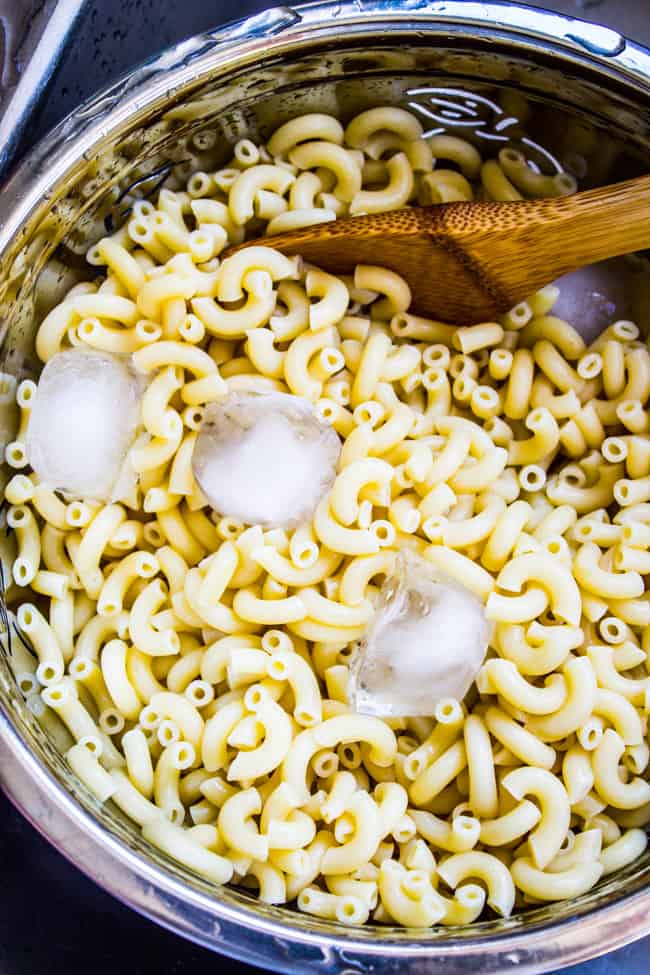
83 422
265 458
595 296
427 641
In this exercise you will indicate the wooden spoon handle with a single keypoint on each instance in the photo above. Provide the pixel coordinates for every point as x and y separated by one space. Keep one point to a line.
516 248
600 223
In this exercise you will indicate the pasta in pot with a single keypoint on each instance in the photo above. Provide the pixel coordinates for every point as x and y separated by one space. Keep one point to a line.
197 668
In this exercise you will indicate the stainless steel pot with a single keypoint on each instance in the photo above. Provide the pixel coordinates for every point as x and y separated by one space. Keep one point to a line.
175 112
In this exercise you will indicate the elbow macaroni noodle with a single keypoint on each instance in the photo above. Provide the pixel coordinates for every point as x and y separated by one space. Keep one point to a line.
200 665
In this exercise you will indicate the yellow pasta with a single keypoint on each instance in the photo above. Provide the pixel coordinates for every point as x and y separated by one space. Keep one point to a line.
506 454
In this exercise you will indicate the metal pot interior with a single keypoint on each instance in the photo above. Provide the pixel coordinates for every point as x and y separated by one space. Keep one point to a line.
583 114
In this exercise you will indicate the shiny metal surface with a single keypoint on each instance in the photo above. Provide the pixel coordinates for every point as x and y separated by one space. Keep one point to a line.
32 36
246 79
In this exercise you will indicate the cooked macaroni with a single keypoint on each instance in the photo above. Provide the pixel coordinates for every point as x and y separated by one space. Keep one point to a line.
201 666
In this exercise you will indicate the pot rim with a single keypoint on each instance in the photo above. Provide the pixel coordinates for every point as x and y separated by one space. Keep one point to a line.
139 881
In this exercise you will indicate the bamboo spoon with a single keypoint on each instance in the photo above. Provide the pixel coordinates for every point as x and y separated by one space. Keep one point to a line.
468 262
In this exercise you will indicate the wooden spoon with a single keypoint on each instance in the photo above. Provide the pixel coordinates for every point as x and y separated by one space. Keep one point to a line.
468 262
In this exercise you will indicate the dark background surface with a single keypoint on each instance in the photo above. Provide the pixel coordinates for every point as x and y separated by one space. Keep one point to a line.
52 919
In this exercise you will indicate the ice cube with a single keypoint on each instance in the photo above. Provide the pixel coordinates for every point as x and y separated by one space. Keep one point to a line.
426 642
595 296
83 422
265 458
